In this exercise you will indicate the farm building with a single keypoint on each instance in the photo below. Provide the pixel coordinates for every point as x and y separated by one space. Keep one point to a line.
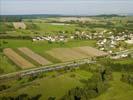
19 25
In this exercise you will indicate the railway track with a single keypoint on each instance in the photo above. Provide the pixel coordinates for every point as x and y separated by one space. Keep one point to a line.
45 69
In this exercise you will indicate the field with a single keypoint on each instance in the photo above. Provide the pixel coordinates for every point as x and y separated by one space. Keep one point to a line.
39 59
66 54
69 54
19 25
17 59
92 52
118 90
6 65
55 86
38 47
44 26
48 27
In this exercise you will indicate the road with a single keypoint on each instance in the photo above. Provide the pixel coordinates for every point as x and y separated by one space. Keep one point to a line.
45 69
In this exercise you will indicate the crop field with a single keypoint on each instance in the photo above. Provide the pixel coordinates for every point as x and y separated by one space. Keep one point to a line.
69 54
17 59
39 59
90 51
66 54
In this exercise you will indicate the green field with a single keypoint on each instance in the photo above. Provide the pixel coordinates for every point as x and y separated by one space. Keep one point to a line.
6 65
43 26
55 86
48 28
42 46
118 90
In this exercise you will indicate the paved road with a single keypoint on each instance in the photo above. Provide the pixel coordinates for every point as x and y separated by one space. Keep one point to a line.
45 69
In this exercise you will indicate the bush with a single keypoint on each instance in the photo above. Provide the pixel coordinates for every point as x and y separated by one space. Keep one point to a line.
4 87
127 77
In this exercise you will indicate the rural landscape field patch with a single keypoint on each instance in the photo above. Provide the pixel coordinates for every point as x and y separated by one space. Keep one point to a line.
36 57
19 25
17 59
65 54
90 51
69 54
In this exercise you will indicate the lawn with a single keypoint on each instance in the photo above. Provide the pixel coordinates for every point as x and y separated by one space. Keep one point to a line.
118 90
54 86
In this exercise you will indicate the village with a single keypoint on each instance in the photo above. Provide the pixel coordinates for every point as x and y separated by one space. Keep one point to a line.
106 41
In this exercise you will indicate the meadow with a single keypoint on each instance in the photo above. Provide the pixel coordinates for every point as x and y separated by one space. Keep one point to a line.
118 90
53 85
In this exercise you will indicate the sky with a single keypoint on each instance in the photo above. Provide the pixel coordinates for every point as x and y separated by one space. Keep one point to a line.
66 7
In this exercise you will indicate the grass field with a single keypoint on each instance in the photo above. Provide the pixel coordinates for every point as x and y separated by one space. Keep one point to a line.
124 61
47 27
118 90
55 86
42 46
6 65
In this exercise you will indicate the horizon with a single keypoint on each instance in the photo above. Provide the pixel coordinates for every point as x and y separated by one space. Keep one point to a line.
63 7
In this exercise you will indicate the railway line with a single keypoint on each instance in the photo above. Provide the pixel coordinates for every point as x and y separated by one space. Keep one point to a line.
53 67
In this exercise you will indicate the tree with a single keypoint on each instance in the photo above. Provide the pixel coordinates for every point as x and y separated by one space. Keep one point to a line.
51 98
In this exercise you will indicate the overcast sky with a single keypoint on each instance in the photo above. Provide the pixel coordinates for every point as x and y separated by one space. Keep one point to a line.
67 7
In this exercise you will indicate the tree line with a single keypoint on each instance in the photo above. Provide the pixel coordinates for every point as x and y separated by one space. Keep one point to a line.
93 87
